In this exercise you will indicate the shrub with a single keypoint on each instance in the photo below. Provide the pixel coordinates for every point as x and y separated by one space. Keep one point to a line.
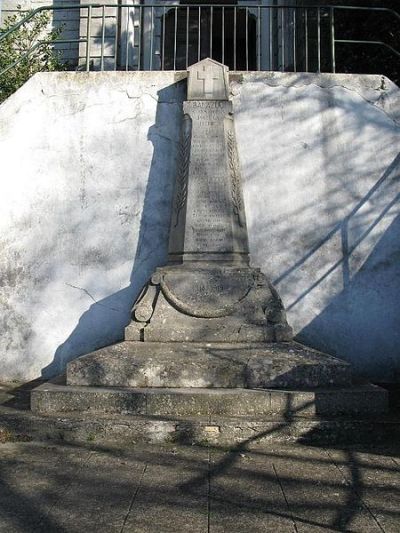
30 47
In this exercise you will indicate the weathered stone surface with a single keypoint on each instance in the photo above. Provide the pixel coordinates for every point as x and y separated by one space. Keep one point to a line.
208 293
217 430
208 220
208 80
54 398
152 364
72 253
208 303
20 423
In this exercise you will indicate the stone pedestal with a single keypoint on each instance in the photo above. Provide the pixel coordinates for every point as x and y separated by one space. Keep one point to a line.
208 302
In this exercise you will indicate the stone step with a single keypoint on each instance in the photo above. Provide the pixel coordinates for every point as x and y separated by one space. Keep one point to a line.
230 432
285 365
361 400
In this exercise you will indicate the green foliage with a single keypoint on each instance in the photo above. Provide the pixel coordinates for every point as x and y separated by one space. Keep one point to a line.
31 47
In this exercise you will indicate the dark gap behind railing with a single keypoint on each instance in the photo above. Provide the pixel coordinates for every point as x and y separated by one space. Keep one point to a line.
306 38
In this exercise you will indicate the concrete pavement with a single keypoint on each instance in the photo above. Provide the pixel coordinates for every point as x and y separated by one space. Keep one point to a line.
71 489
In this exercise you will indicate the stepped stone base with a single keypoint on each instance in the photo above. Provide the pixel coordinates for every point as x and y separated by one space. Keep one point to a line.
194 365
247 431
217 417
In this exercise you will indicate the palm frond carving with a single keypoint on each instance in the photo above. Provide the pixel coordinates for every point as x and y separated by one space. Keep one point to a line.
235 177
183 171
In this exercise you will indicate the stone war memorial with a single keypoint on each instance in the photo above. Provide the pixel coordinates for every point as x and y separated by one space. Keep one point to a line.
208 355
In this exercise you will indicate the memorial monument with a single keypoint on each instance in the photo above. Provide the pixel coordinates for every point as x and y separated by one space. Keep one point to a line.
208 319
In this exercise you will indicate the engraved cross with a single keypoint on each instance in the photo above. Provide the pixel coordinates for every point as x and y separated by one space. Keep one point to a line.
208 75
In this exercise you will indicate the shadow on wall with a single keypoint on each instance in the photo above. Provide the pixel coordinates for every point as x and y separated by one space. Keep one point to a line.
104 322
363 318
324 208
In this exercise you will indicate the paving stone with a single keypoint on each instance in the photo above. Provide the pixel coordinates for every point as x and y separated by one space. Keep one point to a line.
176 495
34 486
99 495
319 498
245 496
375 477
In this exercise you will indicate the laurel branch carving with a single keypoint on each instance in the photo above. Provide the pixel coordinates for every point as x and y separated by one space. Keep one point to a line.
235 177
183 173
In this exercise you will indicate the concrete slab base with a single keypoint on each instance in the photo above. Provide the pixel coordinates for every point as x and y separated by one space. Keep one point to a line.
288 365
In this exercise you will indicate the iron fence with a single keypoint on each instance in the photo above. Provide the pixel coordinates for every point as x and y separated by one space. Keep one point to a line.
171 36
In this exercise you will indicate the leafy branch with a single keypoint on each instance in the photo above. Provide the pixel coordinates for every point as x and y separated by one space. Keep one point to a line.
182 179
235 175
27 50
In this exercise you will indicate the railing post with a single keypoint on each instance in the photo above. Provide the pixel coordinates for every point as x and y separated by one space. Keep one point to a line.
199 35
103 30
151 36
117 14
140 37
333 43
247 38
88 37
163 41
223 34
258 38
133 37
306 37
294 41
272 13
175 32
283 39
187 37
211 31
127 41
234 36
319 38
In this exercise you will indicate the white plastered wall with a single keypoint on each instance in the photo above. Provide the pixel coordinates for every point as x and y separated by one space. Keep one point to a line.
87 170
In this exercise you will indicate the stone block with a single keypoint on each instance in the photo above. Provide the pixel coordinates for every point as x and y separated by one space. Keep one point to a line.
55 398
213 365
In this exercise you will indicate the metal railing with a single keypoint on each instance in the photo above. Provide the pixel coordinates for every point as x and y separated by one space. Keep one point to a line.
166 36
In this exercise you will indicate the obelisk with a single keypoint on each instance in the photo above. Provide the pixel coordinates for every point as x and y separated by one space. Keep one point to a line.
208 292
208 220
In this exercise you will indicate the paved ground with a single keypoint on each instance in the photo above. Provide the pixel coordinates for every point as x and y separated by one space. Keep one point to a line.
172 489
